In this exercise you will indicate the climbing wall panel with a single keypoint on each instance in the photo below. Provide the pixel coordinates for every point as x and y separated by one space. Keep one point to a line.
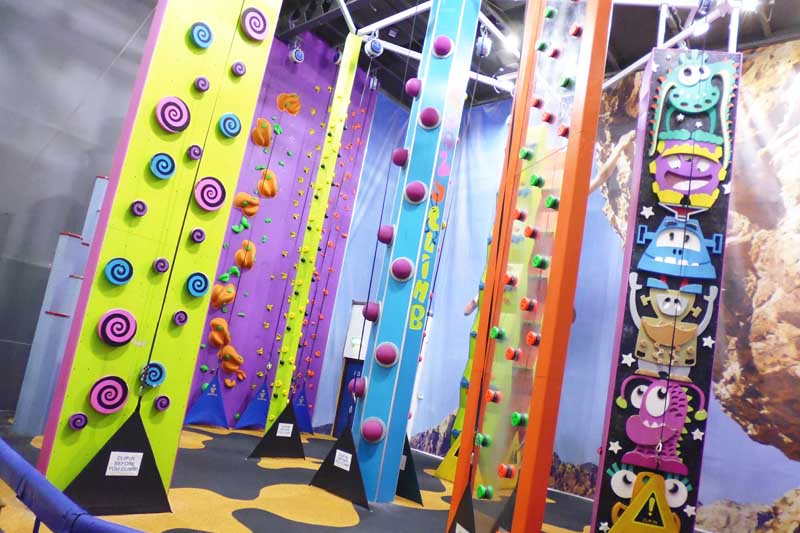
127 369
404 288
656 414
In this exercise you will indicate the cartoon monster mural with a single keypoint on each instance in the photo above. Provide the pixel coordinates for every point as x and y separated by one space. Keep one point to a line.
628 485
666 344
678 248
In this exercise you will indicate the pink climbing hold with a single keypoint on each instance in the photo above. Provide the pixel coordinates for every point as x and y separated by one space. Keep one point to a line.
429 118
386 354
386 234
416 191
373 429
442 46
357 386
400 157
402 269
371 311
413 87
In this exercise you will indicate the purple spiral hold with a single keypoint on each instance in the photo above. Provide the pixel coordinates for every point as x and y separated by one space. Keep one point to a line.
238 69
172 114
195 152
139 208
161 265
179 318
198 235
161 403
108 395
202 84
254 24
78 421
117 327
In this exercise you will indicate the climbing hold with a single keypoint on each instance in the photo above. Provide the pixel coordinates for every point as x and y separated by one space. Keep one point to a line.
194 152
371 311
402 269
537 181
268 185
548 117
510 280
108 395
513 354
482 440
254 24
386 234
400 157
247 203
413 87
532 338
507 470
197 284
575 30
526 154
222 294
153 374
429 118
238 69
497 332
209 193
563 131
550 12
528 304
230 125
161 265
415 192
201 35
179 318
521 215
566 82
246 256
203 368
203 387
541 46
442 46
262 133
539 261
161 403
116 327
172 114
138 208
197 235
202 84
531 232
493 396
78 421
373 429
537 102
162 166
118 271
552 202
220 334
554 53
519 419
289 102
386 354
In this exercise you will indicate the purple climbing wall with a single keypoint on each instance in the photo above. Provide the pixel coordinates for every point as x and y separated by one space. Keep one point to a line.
246 317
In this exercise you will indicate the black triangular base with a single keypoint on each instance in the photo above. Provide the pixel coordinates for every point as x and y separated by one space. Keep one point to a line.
407 482
102 494
282 439
340 473
507 515
465 516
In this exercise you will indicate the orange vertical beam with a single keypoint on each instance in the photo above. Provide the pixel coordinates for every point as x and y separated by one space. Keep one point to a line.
543 415
498 249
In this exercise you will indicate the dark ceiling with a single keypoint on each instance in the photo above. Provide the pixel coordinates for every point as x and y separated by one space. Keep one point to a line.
633 33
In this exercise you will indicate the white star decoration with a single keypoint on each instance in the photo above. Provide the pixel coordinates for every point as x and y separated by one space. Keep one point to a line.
627 359
697 434
680 117
603 526
698 124
647 212
655 67
726 188
708 341
614 446
690 510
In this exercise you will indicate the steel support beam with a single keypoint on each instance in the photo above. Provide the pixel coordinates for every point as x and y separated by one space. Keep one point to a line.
334 13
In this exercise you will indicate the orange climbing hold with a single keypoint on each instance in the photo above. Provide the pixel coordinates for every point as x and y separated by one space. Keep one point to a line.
247 203
222 294
246 257
262 133
268 184
220 334
289 102
231 361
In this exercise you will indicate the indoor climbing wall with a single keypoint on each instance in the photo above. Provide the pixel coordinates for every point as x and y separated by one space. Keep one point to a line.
113 430
656 415
238 357
403 292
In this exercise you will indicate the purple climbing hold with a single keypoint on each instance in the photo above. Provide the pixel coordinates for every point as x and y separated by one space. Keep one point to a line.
415 192
429 118
413 87
373 429
357 386
402 269
371 311
400 157
386 354
386 234
442 46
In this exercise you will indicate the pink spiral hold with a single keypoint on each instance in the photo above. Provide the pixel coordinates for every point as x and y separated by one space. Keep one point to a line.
172 114
238 69
108 395
117 327
254 24
209 194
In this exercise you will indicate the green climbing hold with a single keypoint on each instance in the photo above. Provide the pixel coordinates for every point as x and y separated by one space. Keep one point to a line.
268 220
277 129
203 345
237 416
539 261
203 368
260 167
497 332
537 181
225 245
526 154
224 308
565 82
263 239
552 202
519 419
281 163
485 492
550 12
234 270
289 153
203 387
245 222
541 46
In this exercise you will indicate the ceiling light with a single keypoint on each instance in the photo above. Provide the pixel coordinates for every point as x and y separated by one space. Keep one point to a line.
700 28
512 42
749 5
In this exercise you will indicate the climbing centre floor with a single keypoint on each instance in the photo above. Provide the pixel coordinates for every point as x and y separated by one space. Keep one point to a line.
216 489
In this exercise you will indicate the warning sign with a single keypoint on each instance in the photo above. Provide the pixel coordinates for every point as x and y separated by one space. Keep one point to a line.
648 511
124 464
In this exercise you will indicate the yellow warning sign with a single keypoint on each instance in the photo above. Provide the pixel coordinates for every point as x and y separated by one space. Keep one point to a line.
648 511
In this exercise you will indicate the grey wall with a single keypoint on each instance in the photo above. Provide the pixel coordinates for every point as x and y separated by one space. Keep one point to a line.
67 69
